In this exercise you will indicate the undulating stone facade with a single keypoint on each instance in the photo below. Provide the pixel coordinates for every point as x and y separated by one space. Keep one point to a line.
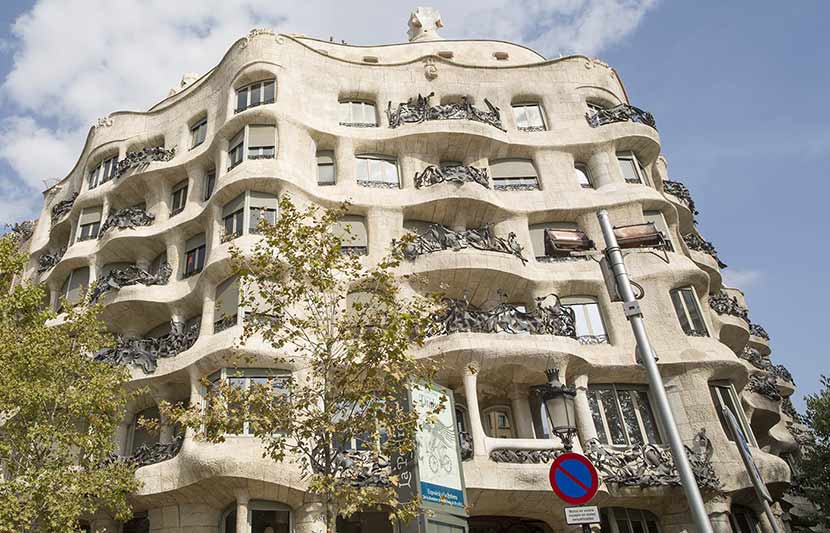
499 159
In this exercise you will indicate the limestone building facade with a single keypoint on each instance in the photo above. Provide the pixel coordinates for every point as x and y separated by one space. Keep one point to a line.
499 158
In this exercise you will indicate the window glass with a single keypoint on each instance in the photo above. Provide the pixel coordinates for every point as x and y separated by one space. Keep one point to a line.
629 170
688 312
377 170
261 92
498 423
624 413
358 113
325 168
588 317
268 91
227 304
194 259
528 117
269 521
198 133
178 198
236 149
659 221
582 177
210 183
723 395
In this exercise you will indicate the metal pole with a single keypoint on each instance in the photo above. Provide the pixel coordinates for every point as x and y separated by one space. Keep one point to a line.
648 359
771 517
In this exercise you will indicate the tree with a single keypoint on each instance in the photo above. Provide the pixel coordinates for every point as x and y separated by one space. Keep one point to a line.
815 462
348 327
58 411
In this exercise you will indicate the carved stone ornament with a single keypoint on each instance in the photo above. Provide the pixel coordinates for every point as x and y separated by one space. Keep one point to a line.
439 237
129 217
679 190
48 260
434 174
102 122
417 110
259 32
697 243
758 331
144 157
22 231
546 319
653 466
430 69
145 352
620 113
764 384
424 23
131 275
63 207
723 304
594 62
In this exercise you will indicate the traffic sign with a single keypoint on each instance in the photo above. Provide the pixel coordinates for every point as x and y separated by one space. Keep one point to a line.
573 478
586 514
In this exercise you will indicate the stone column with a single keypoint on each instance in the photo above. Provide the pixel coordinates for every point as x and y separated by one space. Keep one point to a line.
174 255
208 310
213 231
717 507
471 394
601 170
521 412
310 518
242 525
344 164
584 419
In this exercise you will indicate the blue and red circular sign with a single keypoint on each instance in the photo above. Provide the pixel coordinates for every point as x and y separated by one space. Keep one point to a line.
573 478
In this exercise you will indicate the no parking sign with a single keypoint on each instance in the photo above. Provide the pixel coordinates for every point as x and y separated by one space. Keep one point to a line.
573 478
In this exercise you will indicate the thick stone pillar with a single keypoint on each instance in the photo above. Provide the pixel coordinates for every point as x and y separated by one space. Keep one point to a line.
521 412
584 419
717 508
242 525
310 518
471 394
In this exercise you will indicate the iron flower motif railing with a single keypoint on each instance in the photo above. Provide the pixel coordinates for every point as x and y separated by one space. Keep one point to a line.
620 113
418 110
117 278
373 184
434 174
764 384
524 456
143 157
22 231
48 260
465 443
439 237
129 217
678 189
699 244
723 304
461 317
150 454
62 208
652 466
758 331
760 362
145 352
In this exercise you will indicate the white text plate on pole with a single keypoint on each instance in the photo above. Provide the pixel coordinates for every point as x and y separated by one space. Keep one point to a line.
585 514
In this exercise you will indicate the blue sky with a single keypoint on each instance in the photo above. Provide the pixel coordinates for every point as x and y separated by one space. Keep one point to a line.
738 90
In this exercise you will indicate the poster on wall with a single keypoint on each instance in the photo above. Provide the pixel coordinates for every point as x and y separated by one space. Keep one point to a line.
439 465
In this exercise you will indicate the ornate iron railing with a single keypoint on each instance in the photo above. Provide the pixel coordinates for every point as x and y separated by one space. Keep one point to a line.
47 261
439 237
418 110
764 384
143 157
758 331
678 189
129 217
760 362
465 443
697 243
62 208
378 184
723 304
652 466
146 352
434 174
620 113
461 317
506 455
117 278
22 231
150 454
363 468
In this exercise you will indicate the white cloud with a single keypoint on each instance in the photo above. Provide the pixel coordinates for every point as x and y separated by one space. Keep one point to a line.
76 60
742 279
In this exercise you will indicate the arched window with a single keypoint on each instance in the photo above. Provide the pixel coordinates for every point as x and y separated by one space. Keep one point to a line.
743 520
622 520
263 516
514 175
498 422
255 94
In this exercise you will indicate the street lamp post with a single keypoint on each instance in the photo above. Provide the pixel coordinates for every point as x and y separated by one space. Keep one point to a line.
559 403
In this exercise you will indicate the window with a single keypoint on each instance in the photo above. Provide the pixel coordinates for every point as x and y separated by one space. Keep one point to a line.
263 206
197 133
233 217
259 93
209 184
377 170
351 230
632 170
102 172
74 288
594 107
325 168
514 175
236 149
357 113
194 255
89 223
257 206
227 305
365 522
263 516
659 221
498 422
622 415
139 523
140 436
529 117
688 312
589 326
583 177
178 198
743 520
244 379
724 397
261 141
621 520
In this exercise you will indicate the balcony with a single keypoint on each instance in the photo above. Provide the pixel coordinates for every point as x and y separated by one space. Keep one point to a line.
62 208
22 231
130 217
754 357
723 304
758 330
461 317
142 158
418 110
145 352
697 243
764 384
680 191
439 237
620 113
47 261
150 454
434 174
117 278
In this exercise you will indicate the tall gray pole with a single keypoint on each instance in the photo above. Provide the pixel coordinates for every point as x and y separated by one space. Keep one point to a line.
648 359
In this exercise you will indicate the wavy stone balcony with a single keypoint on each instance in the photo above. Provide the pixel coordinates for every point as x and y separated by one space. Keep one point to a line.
117 278
434 174
699 244
418 110
681 192
140 159
127 218
733 320
461 317
439 237
145 353
60 209
620 113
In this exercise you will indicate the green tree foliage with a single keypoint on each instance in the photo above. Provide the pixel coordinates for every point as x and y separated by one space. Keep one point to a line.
58 411
346 327
815 464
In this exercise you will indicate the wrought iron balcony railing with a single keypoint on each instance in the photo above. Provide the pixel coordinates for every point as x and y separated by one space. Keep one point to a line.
758 331
146 352
723 304
117 278
465 442
62 208
764 384
620 113
22 231
679 190
697 243
150 454
434 174
418 110
754 357
506 455
48 260
439 237
144 157
129 217
461 317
